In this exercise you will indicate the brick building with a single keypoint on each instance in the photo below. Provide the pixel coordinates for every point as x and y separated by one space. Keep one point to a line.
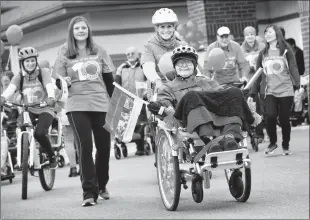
292 15
45 23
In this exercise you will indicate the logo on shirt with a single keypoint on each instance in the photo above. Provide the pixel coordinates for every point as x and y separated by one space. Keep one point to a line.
230 63
275 66
88 70
34 95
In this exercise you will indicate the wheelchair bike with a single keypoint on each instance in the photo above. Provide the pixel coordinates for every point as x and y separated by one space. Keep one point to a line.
175 147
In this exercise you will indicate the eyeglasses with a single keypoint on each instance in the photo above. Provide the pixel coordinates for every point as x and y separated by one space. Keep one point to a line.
184 63
130 54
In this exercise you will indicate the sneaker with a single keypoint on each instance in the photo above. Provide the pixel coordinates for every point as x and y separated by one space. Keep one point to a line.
287 152
73 172
104 194
215 148
53 163
271 148
139 152
229 143
88 202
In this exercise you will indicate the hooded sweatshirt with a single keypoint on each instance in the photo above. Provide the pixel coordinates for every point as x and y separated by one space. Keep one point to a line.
251 54
156 48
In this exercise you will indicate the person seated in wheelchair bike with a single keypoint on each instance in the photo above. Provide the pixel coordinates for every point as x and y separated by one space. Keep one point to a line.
201 105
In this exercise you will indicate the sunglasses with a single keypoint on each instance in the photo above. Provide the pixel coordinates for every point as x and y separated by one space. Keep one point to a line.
130 54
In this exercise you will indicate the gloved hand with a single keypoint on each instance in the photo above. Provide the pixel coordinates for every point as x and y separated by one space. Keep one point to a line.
50 102
2 100
154 107
257 119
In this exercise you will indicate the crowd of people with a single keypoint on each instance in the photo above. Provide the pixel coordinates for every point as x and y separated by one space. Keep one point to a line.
90 73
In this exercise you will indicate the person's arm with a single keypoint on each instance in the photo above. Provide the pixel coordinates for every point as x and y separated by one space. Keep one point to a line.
13 86
47 81
243 64
300 62
148 64
60 66
293 69
107 71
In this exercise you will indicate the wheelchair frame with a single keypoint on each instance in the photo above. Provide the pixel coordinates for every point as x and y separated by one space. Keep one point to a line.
182 152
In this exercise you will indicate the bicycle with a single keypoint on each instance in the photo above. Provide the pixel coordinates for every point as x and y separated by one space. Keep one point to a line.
6 159
29 152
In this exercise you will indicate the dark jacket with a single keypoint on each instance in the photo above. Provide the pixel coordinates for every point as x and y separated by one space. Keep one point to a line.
261 83
299 54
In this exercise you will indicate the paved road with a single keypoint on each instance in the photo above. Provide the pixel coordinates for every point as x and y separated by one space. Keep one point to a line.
280 189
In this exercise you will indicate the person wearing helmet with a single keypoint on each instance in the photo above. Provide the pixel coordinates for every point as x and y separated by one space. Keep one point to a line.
200 117
163 41
33 91
236 67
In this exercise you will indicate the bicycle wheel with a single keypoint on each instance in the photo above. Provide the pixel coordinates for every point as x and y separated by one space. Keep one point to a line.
240 186
46 175
25 150
168 173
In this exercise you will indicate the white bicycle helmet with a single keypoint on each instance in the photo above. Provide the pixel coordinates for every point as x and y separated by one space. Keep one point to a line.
27 52
164 15
187 52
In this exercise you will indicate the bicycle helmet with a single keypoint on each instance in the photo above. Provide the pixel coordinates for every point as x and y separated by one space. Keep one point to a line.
27 52
186 52
164 15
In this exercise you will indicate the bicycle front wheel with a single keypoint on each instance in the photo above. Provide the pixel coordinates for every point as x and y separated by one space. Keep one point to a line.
25 151
46 174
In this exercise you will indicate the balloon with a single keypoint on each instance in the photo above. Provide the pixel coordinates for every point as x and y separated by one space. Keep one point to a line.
1 48
192 25
14 34
199 35
194 44
182 29
216 59
44 64
165 63
191 36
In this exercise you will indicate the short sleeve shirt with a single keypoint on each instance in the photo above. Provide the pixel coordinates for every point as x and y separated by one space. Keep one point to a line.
88 91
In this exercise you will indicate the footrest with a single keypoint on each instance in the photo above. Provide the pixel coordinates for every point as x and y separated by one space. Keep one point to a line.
226 159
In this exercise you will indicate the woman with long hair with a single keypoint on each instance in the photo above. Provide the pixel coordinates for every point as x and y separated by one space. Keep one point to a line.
276 86
88 68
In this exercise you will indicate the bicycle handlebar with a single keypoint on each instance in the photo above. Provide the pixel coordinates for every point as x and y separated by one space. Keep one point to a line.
9 104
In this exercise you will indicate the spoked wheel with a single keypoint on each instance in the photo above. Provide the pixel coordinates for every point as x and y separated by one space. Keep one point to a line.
46 174
147 148
254 143
197 188
168 173
124 150
239 182
25 151
117 152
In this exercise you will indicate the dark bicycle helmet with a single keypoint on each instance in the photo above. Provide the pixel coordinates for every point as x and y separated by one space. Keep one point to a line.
187 52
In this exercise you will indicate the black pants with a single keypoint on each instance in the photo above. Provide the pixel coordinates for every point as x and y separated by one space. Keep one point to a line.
93 176
41 133
259 128
274 107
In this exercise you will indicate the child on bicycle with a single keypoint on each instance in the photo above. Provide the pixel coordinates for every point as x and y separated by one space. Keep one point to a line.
202 105
36 87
